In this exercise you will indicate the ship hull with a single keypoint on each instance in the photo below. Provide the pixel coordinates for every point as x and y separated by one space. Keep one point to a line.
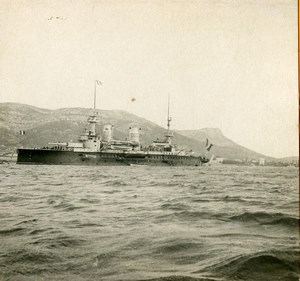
64 157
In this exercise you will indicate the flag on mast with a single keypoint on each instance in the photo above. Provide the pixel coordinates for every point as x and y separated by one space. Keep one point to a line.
98 82
208 145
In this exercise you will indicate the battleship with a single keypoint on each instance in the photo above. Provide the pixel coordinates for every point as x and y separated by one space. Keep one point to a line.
104 150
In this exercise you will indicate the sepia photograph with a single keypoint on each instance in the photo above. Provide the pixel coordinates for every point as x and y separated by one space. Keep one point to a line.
149 140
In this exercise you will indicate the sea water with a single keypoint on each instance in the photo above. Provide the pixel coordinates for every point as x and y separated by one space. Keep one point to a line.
148 223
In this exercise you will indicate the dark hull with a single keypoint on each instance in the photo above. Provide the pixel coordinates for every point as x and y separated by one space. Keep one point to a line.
63 157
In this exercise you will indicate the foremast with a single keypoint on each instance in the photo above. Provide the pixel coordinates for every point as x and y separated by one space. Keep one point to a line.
89 138
94 118
169 134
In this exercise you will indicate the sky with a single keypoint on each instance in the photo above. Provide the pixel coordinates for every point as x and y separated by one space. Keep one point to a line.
228 64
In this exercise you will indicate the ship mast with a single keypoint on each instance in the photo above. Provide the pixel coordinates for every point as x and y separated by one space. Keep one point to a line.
169 135
95 91
93 119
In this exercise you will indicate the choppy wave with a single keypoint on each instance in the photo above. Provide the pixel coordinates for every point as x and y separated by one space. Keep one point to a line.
273 265
267 218
12 231
180 278
124 223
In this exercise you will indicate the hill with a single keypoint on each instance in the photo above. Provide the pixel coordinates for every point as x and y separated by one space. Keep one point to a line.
43 126
223 146
290 159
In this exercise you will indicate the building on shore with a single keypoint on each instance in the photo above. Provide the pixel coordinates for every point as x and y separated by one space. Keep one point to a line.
262 161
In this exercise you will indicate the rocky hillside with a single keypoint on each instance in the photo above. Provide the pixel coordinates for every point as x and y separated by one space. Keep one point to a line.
223 146
213 134
42 126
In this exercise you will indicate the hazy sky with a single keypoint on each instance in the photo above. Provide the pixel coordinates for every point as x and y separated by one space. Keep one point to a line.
228 64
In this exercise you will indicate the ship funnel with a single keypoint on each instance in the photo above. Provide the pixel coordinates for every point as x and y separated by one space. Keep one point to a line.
134 135
107 132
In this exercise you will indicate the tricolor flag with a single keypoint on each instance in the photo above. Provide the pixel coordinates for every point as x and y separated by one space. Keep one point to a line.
22 132
208 145
98 82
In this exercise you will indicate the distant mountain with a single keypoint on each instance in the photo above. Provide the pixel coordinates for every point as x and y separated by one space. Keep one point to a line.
222 146
43 126
290 159
215 135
